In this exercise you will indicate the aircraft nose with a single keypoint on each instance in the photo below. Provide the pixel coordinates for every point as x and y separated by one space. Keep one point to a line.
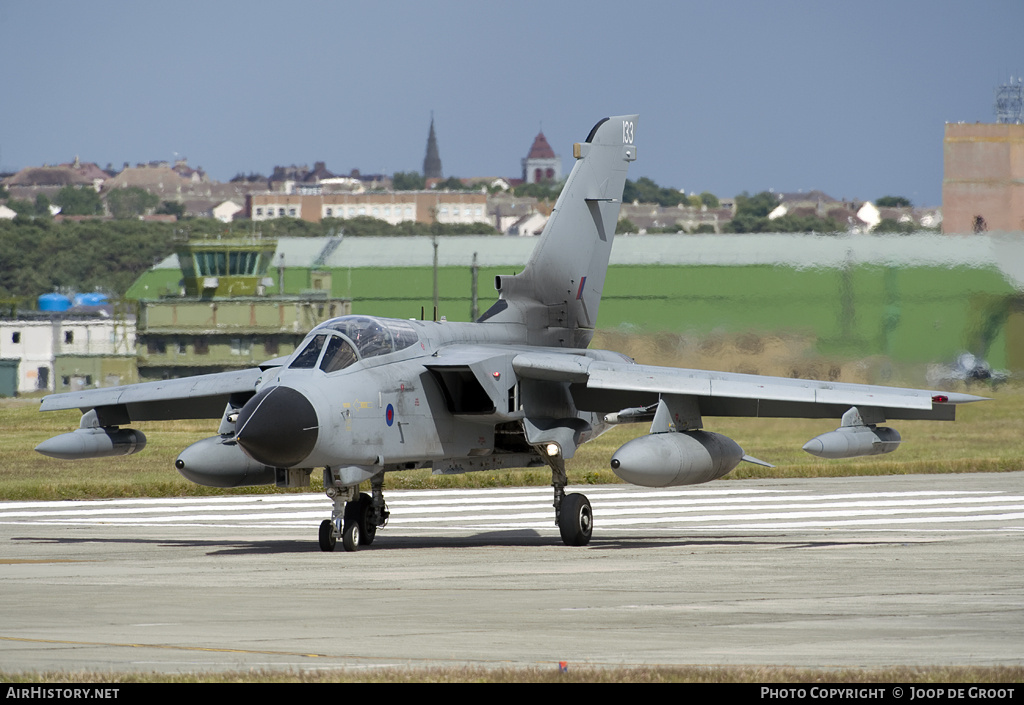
277 427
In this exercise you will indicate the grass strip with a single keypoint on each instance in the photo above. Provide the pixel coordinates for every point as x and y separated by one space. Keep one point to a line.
987 437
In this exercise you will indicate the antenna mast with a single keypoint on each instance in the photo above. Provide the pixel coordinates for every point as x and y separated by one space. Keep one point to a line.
1010 102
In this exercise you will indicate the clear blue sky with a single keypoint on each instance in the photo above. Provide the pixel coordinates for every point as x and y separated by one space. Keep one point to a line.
847 97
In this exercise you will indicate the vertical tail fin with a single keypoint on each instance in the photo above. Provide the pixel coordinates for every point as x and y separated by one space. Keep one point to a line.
558 294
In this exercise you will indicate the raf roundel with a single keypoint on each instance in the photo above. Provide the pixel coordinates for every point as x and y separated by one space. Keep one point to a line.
389 414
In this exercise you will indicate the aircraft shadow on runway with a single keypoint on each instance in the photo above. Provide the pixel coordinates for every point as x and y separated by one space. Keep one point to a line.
489 539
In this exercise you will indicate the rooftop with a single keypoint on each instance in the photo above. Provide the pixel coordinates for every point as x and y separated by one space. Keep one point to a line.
541 149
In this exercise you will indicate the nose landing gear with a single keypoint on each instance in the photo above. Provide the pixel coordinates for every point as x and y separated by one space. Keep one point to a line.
355 517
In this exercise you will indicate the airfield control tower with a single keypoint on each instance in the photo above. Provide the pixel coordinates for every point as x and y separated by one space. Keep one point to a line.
229 312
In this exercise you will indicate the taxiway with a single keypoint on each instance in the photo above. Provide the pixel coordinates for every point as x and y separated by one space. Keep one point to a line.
914 570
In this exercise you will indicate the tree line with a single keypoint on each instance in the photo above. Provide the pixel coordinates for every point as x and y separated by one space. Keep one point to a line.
39 255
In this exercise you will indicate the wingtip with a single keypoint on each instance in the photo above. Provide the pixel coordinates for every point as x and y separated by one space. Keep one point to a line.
956 398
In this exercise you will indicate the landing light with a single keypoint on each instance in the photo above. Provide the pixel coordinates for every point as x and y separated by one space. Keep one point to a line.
552 449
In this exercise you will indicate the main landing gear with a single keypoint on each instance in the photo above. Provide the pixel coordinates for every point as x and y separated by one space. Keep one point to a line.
573 515
355 517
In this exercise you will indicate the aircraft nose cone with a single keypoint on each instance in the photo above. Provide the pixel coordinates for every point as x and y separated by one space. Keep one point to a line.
277 427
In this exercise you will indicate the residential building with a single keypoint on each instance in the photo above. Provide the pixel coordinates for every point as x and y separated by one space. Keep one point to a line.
48 180
393 207
159 179
226 211
528 225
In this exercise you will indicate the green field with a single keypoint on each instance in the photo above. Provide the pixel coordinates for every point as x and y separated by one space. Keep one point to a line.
926 314
909 315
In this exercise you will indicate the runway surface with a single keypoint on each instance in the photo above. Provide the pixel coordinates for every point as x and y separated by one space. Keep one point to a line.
822 572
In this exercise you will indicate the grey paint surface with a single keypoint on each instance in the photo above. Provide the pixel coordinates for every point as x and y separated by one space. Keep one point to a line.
826 572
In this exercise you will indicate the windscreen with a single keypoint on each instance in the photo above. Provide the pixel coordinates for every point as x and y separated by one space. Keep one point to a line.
339 355
306 359
374 336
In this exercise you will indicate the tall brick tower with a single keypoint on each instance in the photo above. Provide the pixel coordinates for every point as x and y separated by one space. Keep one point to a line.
983 180
983 184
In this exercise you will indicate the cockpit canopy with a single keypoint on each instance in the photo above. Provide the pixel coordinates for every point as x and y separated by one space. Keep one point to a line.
341 342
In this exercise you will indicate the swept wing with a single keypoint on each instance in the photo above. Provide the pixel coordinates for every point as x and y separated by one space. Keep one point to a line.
609 387
199 397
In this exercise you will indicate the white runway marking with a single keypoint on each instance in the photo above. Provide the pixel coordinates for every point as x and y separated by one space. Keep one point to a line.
616 508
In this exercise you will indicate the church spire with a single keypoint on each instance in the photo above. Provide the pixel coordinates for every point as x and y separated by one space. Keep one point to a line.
432 162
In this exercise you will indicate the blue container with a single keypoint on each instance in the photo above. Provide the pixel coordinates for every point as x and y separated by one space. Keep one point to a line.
91 300
54 302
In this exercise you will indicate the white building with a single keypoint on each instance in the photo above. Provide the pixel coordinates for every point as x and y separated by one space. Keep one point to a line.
225 212
528 225
393 207
36 342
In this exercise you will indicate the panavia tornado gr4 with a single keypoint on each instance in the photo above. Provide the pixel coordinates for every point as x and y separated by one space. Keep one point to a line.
365 396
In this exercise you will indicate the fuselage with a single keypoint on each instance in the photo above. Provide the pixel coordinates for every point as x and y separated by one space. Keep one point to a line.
378 393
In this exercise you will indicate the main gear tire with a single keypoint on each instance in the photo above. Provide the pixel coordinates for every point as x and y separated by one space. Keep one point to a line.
358 511
327 540
575 520
350 536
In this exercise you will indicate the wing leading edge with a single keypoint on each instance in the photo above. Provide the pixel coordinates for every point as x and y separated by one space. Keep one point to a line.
199 397
608 387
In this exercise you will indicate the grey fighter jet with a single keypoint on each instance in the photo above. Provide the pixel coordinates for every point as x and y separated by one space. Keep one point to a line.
365 396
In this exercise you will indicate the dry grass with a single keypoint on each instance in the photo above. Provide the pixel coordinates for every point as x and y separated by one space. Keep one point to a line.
25 474
552 674
777 354
987 437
